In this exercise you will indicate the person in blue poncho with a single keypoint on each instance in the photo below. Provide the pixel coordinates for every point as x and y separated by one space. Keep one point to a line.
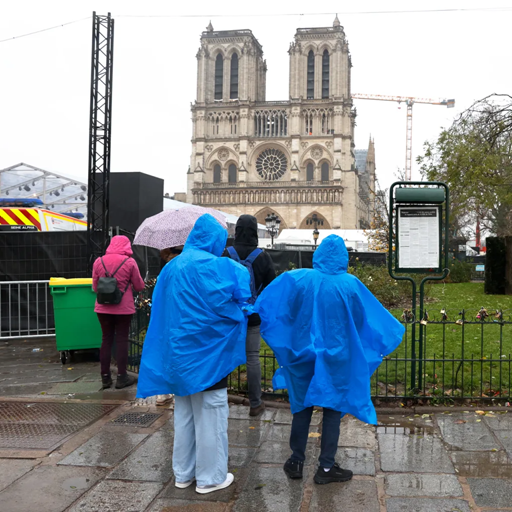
196 338
329 334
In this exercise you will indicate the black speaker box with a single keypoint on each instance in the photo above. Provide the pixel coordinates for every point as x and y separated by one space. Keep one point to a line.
134 196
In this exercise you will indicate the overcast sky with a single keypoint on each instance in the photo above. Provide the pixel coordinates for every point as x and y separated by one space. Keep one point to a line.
45 78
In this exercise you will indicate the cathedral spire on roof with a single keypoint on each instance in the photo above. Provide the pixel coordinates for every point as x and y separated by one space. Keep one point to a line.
336 22
209 28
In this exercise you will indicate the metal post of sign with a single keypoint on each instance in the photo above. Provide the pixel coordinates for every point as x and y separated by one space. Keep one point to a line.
416 213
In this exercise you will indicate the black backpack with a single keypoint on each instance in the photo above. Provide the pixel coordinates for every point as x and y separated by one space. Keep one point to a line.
108 292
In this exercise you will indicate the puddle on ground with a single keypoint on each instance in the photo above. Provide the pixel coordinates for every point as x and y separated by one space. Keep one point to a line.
405 425
482 464
73 484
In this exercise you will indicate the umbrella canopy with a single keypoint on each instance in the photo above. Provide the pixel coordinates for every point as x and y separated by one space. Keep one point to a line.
171 228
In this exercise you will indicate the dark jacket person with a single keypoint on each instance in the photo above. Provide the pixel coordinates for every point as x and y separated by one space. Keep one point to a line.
246 241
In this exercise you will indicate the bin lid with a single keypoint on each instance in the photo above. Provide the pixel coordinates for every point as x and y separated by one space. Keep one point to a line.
61 281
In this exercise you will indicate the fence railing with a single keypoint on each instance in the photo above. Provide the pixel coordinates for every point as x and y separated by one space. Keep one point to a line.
26 309
461 357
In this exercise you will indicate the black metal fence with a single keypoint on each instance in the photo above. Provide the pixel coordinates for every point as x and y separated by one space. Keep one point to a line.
463 356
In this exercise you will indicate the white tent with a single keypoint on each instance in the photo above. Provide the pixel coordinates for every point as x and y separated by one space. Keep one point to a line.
354 238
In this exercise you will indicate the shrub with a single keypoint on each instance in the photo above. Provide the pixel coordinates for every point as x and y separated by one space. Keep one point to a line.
460 272
389 292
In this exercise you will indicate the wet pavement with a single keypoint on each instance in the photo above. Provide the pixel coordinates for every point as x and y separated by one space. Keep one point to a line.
442 462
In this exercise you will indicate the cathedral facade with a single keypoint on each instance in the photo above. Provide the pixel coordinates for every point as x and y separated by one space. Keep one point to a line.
293 158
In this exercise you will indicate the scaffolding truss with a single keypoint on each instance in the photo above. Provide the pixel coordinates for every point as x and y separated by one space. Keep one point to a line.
100 135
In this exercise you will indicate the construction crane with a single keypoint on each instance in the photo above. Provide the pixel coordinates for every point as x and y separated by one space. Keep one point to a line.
409 101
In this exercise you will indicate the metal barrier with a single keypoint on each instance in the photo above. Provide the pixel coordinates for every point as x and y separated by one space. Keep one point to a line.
26 309
468 356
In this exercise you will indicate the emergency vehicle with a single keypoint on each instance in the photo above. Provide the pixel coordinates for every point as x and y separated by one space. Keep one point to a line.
19 215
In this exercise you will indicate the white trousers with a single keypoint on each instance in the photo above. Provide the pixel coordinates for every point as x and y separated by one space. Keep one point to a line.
201 437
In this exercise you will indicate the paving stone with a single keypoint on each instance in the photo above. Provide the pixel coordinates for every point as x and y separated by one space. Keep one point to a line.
151 462
352 496
240 456
437 486
48 489
12 469
499 421
246 433
278 452
472 435
357 434
358 460
241 412
105 449
118 496
482 464
225 495
426 505
176 505
421 454
268 490
285 416
491 492
282 433
75 388
505 437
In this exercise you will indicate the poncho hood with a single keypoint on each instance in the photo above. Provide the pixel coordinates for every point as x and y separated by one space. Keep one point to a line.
331 257
120 245
246 231
207 235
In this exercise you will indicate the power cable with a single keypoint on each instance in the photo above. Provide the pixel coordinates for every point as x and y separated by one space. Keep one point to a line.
44 30
254 15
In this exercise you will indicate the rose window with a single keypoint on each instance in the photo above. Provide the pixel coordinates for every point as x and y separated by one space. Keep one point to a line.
271 164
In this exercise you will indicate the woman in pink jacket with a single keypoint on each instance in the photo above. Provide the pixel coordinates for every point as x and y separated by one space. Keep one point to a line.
115 318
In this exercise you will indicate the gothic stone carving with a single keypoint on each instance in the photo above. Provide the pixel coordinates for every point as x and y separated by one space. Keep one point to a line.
223 154
316 153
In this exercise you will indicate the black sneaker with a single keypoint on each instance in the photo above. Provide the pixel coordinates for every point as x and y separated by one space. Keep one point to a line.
123 381
106 381
293 468
335 474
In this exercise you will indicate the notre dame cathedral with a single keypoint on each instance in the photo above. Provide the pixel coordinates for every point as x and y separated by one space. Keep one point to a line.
293 158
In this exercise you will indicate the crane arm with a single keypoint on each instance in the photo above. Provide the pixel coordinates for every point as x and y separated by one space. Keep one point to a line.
403 99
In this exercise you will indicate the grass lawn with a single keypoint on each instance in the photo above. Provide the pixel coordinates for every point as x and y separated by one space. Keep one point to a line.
486 347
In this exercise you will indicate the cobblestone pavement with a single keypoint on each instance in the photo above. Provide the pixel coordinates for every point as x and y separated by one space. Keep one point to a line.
110 454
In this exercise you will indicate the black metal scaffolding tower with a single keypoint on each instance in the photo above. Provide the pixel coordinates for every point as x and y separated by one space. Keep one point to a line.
99 135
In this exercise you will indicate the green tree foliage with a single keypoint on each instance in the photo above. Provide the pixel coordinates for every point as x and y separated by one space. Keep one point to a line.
474 157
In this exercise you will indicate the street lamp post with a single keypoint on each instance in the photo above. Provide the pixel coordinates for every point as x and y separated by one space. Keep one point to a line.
315 222
315 236
272 222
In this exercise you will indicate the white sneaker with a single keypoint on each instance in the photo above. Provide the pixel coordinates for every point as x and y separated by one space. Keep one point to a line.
164 399
205 489
184 485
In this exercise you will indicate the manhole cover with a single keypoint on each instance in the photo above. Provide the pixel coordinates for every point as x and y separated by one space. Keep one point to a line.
137 419
43 425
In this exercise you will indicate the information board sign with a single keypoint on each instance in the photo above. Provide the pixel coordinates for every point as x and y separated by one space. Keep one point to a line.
418 238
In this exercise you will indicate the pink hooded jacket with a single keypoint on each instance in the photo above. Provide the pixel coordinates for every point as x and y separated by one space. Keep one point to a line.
118 250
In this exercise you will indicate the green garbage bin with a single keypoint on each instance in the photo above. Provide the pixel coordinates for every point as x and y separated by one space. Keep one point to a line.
76 324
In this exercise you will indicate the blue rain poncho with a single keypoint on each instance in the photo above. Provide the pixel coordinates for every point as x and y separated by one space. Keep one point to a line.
196 335
328 332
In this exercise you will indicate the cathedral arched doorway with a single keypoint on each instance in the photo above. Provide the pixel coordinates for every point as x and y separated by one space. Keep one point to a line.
262 215
323 225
